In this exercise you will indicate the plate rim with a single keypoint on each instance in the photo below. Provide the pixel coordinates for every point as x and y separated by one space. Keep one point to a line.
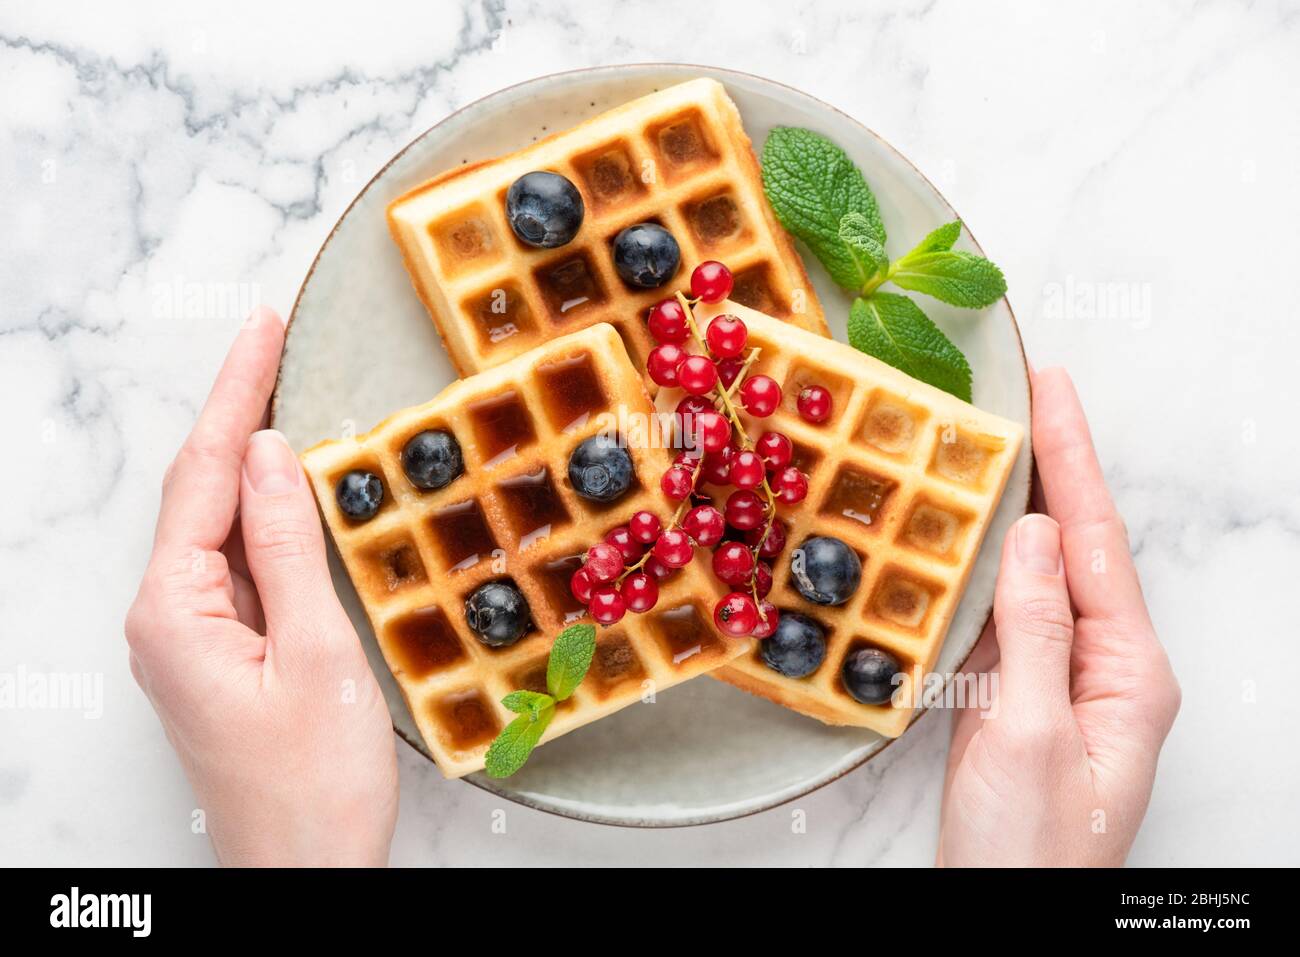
526 800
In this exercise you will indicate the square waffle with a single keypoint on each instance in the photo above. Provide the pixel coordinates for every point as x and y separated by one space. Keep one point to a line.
678 157
512 514
905 474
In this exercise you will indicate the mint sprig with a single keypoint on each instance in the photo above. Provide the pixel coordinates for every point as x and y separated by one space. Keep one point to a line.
571 655
821 197
893 328
812 184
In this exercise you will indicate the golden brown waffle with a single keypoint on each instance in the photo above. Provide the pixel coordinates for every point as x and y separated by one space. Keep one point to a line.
513 514
905 474
678 157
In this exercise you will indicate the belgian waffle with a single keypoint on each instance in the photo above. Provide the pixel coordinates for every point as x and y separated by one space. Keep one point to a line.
905 474
678 157
513 515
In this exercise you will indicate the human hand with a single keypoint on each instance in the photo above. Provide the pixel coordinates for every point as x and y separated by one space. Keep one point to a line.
238 639
1060 772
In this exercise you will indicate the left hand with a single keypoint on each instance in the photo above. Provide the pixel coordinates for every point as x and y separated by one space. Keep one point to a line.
239 640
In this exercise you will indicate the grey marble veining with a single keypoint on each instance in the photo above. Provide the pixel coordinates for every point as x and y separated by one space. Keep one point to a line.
1131 168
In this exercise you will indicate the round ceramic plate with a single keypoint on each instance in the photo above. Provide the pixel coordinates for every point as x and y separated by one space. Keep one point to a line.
360 346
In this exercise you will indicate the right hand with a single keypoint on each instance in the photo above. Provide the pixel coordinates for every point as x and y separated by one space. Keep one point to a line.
1061 771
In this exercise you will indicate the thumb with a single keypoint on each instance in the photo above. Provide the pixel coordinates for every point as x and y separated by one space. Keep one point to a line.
283 542
1035 628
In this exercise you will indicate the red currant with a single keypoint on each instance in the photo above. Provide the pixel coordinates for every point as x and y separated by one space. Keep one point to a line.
658 569
776 449
663 361
760 395
747 469
581 585
667 321
640 592
673 548
744 510
607 605
711 281
697 374
815 403
735 615
604 562
688 409
790 485
716 469
733 563
762 579
677 483
644 527
705 525
712 431
728 369
621 538
767 620
688 460
773 542
726 336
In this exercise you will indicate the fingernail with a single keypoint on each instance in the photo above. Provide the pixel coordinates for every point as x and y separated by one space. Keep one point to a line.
270 464
1038 544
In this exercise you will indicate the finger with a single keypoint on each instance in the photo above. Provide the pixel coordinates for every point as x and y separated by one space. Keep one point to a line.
1103 579
283 541
201 490
969 717
1031 608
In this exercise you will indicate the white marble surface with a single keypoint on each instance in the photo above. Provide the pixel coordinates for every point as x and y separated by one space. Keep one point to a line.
156 162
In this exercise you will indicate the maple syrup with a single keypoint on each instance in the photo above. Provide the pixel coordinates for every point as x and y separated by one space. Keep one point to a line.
568 286
533 506
424 642
554 577
500 313
462 534
571 391
502 425
858 495
685 632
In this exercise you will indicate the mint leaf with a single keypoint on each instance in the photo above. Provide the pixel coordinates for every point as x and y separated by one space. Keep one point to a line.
811 184
531 703
893 328
855 232
940 240
957 278
570 658
510 751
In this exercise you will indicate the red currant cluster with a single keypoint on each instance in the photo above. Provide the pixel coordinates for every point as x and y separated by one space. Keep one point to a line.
623 572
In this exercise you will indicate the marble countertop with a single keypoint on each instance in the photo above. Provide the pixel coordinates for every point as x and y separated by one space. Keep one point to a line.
1131 168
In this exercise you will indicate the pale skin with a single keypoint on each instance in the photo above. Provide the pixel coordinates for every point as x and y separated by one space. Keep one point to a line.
1061 771
261 684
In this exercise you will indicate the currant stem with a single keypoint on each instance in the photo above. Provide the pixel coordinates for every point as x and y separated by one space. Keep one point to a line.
737 427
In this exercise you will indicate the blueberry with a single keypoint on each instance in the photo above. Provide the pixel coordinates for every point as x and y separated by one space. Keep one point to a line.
868 675
646 255
544 209
498 613
432 459
826 571
359 495
600 469
797 648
